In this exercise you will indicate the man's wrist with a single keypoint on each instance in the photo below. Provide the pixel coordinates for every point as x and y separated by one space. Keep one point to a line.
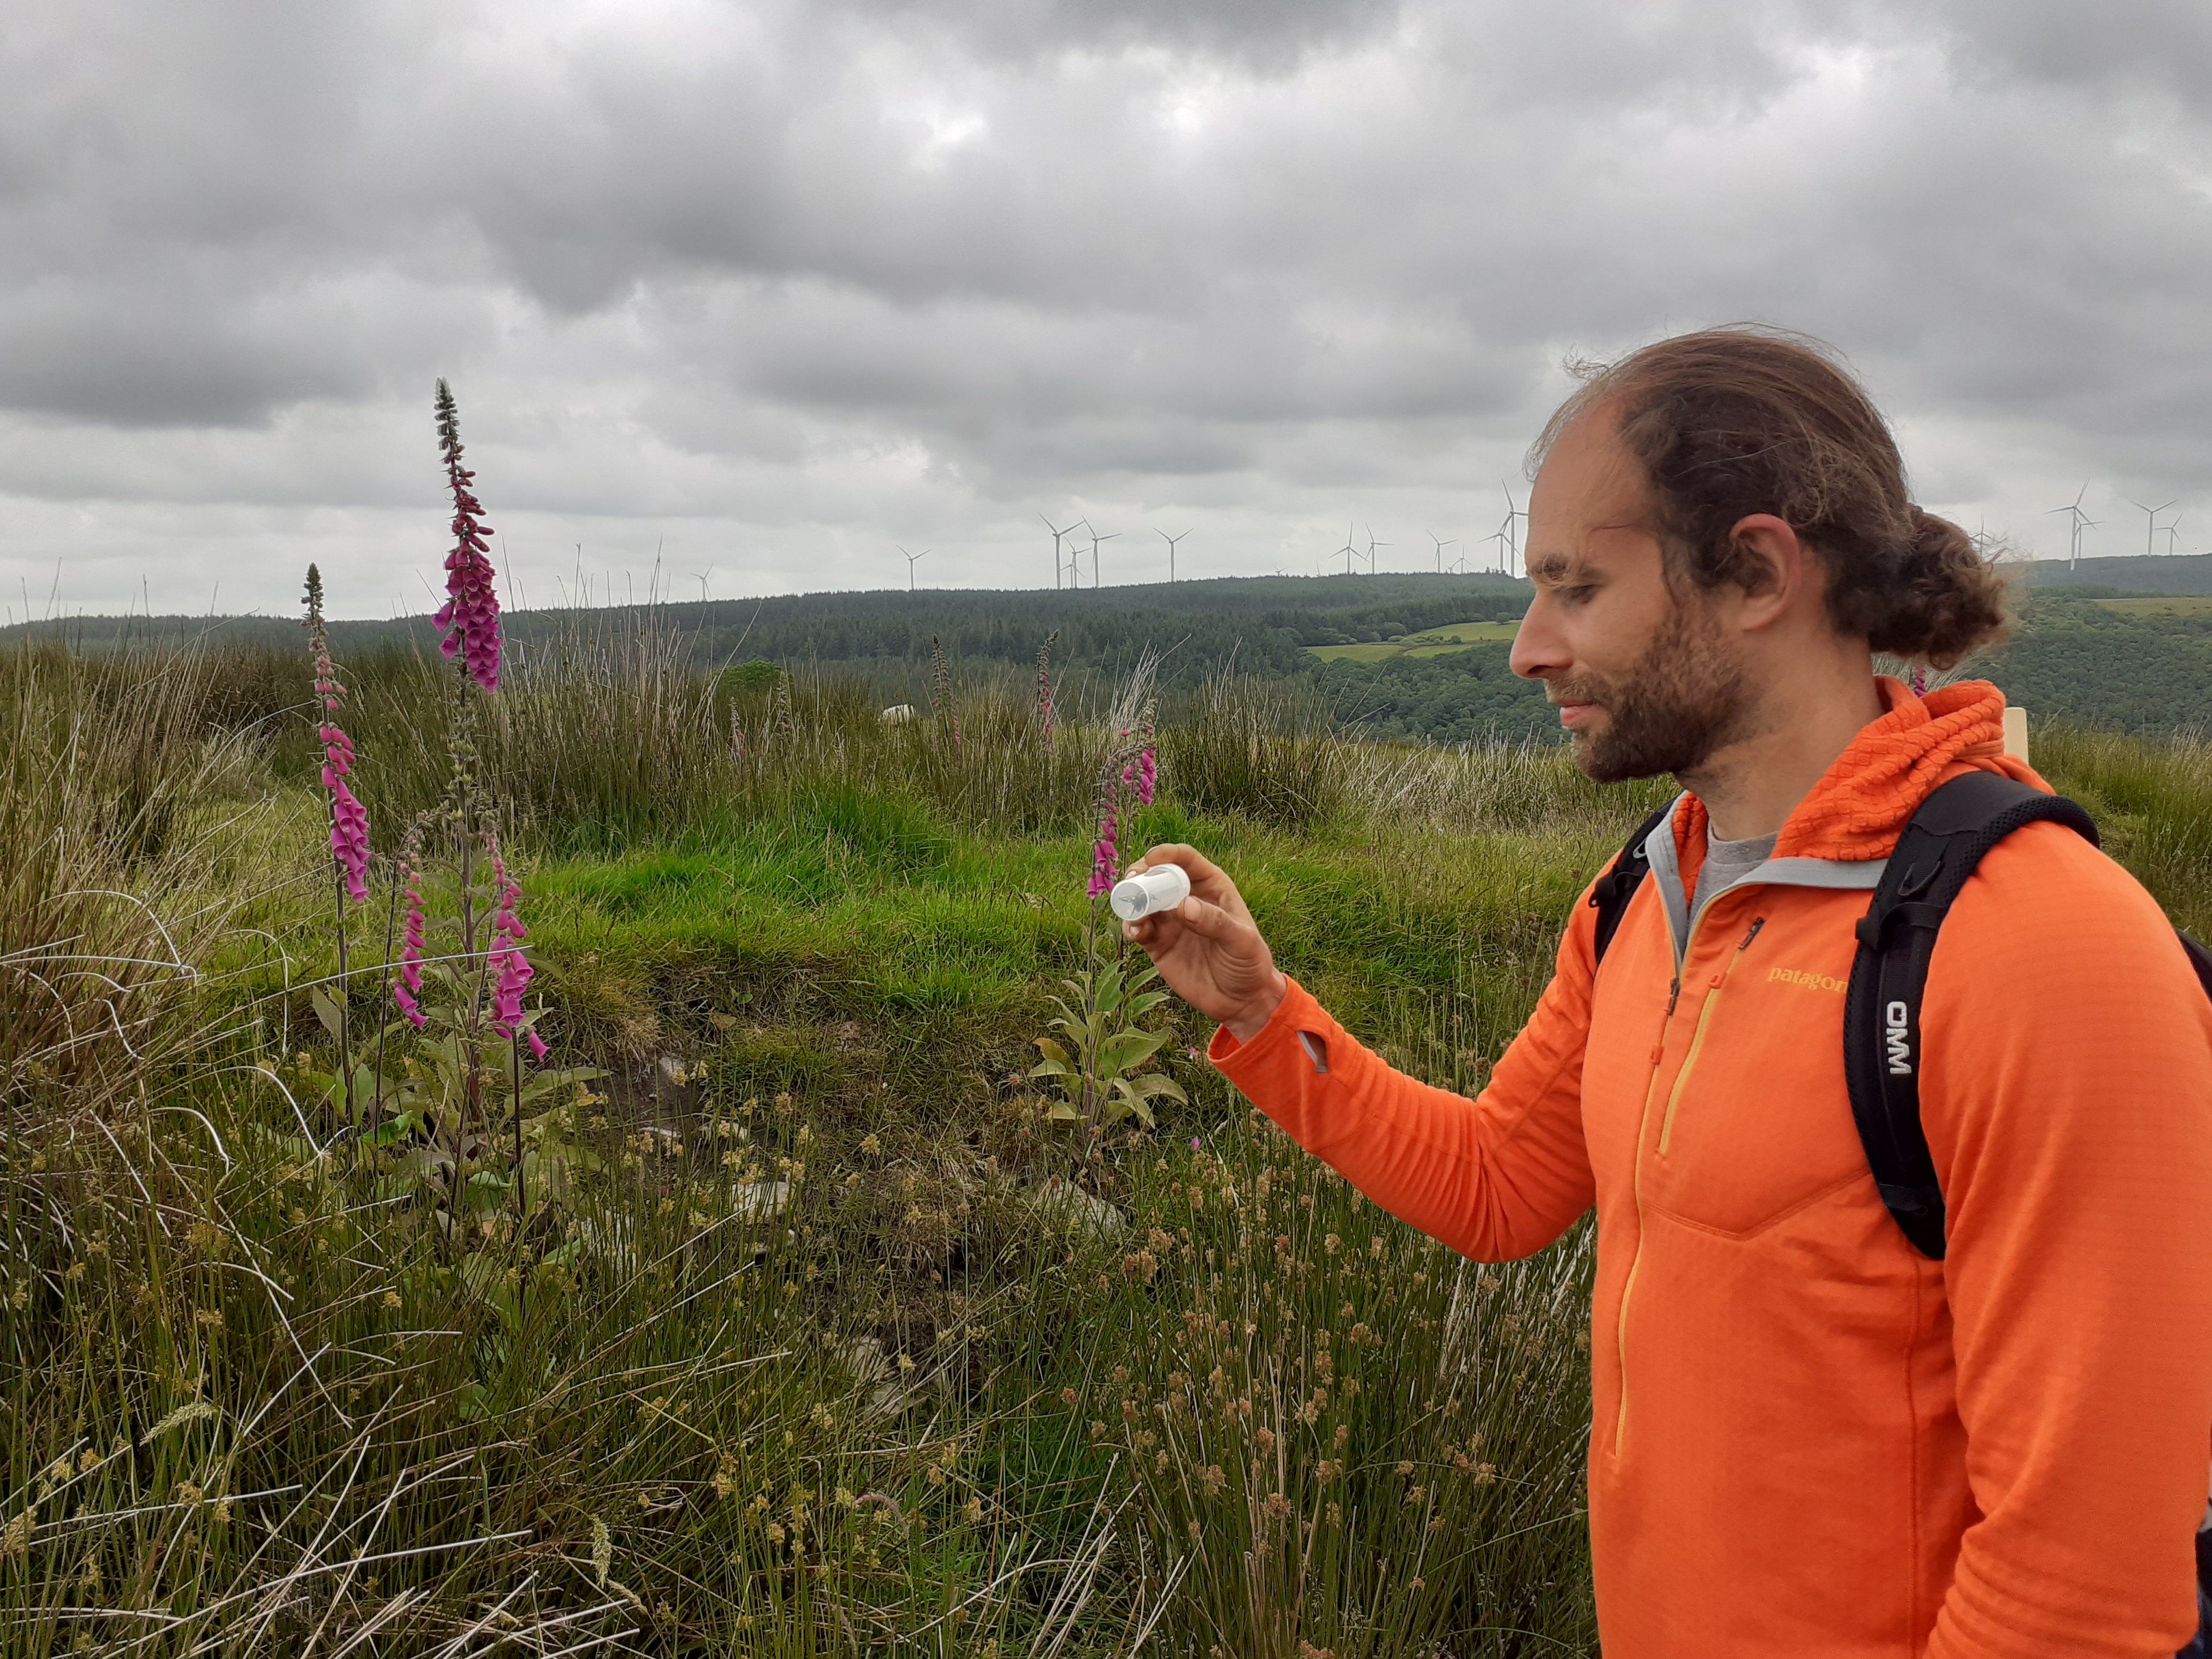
1251 1019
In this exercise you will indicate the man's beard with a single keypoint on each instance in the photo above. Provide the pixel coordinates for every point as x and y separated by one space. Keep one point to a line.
1684 699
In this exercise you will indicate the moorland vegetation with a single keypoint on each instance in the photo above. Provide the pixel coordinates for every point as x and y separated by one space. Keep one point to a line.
802 1322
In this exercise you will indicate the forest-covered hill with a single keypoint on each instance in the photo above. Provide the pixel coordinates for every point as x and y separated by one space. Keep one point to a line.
2070 655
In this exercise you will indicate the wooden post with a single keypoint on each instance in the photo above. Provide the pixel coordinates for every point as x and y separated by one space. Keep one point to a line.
2016 731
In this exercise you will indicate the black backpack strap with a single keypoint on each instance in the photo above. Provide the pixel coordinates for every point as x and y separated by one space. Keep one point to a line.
1610 894
1941 846
2199 958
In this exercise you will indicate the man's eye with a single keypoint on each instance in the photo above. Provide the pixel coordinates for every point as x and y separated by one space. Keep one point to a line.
1577 594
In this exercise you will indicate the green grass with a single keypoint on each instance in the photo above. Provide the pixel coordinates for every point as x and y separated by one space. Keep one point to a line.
1430 642
2173 606
824 1341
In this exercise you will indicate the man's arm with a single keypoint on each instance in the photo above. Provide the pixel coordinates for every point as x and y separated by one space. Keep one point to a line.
1495 1178
2067 1102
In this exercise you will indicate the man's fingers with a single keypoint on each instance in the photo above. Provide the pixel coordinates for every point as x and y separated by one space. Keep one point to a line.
1200 869
1208 880
1210 921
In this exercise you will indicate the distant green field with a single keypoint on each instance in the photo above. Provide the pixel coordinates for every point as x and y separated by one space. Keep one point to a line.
1430 642
2179 605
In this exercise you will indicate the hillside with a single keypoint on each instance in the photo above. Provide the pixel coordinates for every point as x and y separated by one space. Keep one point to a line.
1382 651
2187 573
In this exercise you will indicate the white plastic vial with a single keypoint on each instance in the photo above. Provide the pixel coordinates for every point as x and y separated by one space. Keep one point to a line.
1158 891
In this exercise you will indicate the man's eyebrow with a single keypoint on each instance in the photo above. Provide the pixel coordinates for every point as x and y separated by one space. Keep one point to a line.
1552 568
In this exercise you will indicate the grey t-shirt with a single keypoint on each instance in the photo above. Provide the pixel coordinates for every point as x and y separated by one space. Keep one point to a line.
1726 861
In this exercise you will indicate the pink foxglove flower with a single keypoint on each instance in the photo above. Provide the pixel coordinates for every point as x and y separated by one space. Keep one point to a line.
348 818
1148 776
470 613
407 983
506 959
1105 853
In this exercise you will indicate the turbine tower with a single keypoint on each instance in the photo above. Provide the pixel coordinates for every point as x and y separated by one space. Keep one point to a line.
1095 539
1511 526
1349 552
2151 526
912 560
2076 522
1058 570
1441 544
1372 545
1171 541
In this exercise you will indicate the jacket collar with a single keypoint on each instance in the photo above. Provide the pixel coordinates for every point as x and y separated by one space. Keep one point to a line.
1859 807
1843 831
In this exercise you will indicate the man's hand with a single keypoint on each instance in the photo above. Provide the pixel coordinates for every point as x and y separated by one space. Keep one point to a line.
1207 948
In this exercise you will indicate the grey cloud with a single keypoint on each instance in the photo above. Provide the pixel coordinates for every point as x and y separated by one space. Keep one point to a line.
2161 45
844 265
1270 35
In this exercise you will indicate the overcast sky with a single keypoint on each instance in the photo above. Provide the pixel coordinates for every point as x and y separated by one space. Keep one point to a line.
779 287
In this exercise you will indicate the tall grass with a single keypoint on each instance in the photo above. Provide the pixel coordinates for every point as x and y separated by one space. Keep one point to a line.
778 1386
824 1342
604 737
121 801
2153 805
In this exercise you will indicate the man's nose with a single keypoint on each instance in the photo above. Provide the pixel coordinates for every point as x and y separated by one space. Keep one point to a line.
1539 651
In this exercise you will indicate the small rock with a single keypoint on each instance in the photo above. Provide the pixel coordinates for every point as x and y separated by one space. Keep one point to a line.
1069 1205
873 1375
761 1201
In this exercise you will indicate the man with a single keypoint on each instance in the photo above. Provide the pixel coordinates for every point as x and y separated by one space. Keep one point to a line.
1808 1439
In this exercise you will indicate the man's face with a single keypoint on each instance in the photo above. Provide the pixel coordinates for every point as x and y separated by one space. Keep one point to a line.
1646 682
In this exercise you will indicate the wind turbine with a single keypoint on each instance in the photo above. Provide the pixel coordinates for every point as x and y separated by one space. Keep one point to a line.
1441 545
1372 545
1057 570
1095 539
1349 552
2076 522
1504 540
912 560
1075 555
2150 529
1511 526
2174 533
1171 541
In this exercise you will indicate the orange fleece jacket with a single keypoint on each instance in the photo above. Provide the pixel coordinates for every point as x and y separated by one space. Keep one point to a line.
1807 1438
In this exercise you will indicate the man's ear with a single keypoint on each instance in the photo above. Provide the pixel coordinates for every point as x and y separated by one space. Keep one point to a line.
1773 567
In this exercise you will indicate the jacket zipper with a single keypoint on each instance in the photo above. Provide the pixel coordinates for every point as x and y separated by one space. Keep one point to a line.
1642 1123
1698 1037
1636 1260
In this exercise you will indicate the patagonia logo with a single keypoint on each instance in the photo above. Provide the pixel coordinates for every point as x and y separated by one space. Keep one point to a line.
1895 1041
1810 981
